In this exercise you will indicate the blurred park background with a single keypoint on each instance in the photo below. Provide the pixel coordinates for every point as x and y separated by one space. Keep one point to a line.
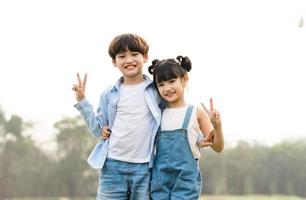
246 168
249 55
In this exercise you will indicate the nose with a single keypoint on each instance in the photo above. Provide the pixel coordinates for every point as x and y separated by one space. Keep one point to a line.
167 88
129 59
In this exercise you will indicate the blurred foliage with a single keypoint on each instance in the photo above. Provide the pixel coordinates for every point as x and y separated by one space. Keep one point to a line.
256 169
28 171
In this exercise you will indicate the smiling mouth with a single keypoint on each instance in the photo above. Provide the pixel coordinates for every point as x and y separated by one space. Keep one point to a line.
169 94
130 67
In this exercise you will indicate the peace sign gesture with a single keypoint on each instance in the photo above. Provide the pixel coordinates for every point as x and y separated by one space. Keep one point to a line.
218 140
80 87
213 114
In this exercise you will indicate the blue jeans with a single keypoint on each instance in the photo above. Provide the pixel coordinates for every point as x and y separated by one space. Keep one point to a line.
124 181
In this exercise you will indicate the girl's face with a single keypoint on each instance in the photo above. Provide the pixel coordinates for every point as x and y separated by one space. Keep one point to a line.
173 91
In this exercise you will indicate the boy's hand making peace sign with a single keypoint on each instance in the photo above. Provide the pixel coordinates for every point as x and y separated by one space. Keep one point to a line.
80 87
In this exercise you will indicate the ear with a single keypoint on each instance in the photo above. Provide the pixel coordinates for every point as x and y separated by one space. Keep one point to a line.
185 80
114 62
145 58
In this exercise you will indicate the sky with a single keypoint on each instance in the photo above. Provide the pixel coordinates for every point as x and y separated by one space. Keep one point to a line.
248 55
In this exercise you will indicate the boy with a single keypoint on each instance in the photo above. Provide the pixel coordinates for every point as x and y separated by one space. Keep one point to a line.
131 110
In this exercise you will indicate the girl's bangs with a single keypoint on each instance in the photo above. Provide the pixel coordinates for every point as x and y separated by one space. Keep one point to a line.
165 73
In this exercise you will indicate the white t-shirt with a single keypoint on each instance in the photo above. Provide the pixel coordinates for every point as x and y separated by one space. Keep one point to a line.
172 119
132 130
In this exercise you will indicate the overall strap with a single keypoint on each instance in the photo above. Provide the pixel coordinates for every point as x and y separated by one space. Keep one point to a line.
187 117
161 111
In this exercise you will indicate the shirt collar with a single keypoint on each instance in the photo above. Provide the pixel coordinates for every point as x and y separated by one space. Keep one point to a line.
147 81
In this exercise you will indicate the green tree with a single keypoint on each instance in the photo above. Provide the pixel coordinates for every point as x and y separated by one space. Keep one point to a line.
74 144
253 168
21 162
10 135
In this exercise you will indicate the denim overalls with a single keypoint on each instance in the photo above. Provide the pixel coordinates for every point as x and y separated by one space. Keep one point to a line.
175 172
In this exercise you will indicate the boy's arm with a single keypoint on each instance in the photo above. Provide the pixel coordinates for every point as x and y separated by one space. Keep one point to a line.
94 122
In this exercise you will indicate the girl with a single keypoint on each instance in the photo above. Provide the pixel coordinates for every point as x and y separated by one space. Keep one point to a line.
175 172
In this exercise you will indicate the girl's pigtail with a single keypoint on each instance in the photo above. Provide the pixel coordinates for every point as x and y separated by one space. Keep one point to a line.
153 66
184 62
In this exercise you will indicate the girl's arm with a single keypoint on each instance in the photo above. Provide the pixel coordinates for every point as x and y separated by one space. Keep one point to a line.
215 118
206 128
218 140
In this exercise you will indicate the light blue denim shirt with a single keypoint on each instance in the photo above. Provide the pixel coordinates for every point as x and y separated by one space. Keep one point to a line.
106 113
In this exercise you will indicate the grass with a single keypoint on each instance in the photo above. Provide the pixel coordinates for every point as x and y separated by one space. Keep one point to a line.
252 197
207 197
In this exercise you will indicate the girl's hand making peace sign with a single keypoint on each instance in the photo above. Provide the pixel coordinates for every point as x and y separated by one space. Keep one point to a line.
215 137
80 87
214 115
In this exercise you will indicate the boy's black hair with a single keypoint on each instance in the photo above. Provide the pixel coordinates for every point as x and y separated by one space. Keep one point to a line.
127 41
168 69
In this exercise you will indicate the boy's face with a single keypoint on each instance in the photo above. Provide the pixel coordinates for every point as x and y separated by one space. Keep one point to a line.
130 64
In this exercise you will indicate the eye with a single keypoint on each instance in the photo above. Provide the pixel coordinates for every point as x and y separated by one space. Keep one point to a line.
172 80
135 53
160 85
